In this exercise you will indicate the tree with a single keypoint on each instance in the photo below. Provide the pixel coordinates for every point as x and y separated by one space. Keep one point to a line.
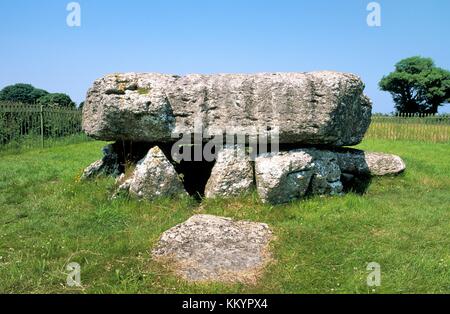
81 105
417 85
56 100
24 93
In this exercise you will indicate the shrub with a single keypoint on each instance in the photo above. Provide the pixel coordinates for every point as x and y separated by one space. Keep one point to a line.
57 100
22 93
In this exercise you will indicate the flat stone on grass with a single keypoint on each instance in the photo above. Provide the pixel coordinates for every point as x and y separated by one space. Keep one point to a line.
210 248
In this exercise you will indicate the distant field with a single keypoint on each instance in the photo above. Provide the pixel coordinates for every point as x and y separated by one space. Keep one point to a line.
323 244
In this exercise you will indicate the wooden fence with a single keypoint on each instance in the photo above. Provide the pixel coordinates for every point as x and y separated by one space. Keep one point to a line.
414 127
34 126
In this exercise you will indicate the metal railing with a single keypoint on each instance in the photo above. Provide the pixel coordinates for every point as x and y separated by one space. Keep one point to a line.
32 125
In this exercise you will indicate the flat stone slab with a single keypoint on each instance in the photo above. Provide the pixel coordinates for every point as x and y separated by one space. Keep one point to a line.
297 108
360 162
212 248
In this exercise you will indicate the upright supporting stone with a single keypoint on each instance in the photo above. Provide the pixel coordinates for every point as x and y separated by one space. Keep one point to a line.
326 179
155 176
232 173
108 165
286 176
283 177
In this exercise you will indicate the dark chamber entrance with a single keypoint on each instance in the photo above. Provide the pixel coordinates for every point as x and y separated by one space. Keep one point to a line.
194 173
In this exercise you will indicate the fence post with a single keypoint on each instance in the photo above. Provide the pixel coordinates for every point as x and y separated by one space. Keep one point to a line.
42 125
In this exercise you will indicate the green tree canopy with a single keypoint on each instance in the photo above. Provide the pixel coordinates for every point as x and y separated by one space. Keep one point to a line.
24 93
417 85
56 100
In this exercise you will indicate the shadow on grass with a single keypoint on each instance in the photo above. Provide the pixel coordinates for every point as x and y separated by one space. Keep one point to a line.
356 184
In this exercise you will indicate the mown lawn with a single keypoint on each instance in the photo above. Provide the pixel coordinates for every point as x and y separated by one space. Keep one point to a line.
323 245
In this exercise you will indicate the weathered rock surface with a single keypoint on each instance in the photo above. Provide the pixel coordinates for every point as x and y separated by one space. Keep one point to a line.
93 170
326 179
155 176
231 175
359 162
211 248
319 111
108 165
306 108
284 176
280 177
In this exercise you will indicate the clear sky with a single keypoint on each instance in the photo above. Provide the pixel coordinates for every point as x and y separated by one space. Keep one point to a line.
210 36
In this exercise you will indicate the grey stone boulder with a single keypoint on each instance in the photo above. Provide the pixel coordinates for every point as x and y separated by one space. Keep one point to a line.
302 108
232 173
153 177
358 162
286 176
211 248
326 179
109 165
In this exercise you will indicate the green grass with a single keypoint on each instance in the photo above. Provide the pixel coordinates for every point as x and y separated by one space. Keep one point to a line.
323 244
24 143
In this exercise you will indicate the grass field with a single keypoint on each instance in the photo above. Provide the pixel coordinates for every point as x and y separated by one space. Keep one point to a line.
419 131
323 244
26 143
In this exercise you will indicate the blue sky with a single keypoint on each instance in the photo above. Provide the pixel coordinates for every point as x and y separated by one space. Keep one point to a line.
210 36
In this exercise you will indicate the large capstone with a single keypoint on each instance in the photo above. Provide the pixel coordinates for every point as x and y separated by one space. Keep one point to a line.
293 108
211 248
